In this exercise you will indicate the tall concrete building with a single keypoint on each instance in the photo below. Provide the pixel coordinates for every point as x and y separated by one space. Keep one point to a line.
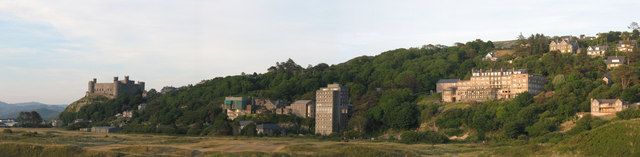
117 87
491 85
332 109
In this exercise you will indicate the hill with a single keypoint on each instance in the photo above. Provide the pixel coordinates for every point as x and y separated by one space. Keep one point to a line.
46 111
84 101
394 91
620 138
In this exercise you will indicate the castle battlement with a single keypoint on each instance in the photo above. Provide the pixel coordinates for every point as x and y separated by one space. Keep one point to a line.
115 88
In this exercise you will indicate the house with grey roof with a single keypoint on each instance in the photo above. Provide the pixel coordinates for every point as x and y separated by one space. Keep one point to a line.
597 51
614 61
627 45
603 107
564 45
104 129
268 129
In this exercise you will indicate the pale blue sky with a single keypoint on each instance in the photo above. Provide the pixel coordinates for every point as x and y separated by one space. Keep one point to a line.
50 49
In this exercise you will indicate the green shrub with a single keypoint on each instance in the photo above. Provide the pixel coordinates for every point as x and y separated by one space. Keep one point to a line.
629 114
7 131
452 131
542 127
618 138
412 137
586 123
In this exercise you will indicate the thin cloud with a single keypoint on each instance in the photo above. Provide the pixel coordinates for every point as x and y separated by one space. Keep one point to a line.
183 42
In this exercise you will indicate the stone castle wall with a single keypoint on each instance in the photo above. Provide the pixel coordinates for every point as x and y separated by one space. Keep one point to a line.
117 87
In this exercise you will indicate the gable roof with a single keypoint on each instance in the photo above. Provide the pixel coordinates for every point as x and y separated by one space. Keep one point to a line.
607 100
245 123
302 102
601 47
268 126
630 42
612 59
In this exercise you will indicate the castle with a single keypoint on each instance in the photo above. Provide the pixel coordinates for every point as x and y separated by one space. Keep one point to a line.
490 85
117 87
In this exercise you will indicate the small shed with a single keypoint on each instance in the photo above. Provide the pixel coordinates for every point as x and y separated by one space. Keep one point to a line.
268 129
104 129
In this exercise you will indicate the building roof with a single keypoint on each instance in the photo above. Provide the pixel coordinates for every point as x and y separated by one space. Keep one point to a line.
267 126
302 102
245 122
615 60
103 127
601 47
632 42
607 100
448 80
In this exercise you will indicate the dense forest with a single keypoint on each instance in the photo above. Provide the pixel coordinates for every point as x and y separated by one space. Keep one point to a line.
393 92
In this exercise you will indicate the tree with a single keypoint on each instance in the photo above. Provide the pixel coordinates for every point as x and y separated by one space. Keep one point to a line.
631 94
634 26
625 75
586 123
631 113
29 119
542 127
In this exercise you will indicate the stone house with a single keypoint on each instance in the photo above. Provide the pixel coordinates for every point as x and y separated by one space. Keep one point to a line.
627 45
614 61
603 107
597 51
491 56
565 45
303 108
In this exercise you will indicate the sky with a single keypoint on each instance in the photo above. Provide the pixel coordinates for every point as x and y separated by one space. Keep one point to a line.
49 50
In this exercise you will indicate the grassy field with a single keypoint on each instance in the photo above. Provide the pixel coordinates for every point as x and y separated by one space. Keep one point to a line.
56 142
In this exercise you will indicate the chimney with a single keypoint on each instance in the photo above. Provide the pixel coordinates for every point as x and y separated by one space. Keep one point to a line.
126 79
115 79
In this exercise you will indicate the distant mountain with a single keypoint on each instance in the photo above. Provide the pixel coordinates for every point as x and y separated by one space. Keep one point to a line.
45 110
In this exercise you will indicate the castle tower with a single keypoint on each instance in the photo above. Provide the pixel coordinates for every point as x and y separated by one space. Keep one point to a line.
126 79
92 86
116 86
